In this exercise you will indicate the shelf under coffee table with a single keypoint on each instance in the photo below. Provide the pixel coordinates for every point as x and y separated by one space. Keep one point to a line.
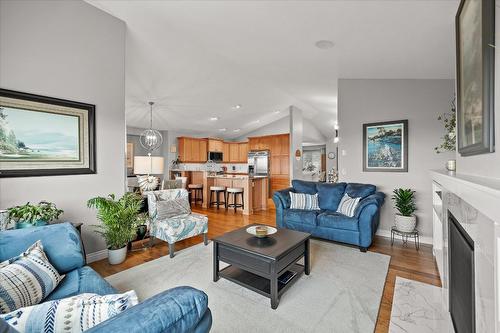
257 264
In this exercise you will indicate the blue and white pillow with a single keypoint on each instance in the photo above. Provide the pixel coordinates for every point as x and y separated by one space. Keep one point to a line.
26 279
304 201
348 205
70 315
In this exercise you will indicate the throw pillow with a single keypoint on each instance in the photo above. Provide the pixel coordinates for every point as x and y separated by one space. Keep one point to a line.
26 279
70 315
347 205
172 208
304 201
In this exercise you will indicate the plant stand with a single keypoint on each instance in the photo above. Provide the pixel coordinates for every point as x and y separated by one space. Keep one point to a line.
405 235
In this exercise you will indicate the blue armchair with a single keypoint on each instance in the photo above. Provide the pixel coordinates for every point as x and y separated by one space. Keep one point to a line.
327 223
182 309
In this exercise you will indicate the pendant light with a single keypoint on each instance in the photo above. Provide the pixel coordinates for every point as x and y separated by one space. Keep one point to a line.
151 139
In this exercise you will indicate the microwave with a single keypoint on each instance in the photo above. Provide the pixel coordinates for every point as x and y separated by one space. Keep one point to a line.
215 156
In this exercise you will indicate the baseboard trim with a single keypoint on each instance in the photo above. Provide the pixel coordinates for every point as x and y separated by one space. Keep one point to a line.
387 233
95 256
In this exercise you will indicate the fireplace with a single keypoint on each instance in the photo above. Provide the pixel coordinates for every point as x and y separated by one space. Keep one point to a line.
461 278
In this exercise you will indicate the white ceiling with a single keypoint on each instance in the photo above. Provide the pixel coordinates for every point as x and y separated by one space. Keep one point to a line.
197 59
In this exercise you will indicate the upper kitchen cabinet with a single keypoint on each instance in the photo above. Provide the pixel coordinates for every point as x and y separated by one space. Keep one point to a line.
243 152
216 145
234 153
254 143
225 152
192 150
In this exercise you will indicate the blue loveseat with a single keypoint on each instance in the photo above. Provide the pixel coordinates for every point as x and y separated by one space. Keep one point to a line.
181 309
327 223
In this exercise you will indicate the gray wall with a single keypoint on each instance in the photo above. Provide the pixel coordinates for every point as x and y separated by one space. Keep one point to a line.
70 50
419 101
487 165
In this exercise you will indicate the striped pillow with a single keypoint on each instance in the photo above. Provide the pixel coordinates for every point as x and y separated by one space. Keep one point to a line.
70 315
348 205
304 201
26 279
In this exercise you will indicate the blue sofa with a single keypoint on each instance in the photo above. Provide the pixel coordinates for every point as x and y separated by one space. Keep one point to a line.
181 309
327 223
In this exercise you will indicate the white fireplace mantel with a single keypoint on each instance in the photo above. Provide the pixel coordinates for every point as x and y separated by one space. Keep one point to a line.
481 193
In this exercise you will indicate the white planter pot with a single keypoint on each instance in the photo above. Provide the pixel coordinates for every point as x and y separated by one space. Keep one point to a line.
116 257
405 223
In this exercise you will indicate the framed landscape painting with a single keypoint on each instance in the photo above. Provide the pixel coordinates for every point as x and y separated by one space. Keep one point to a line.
44 136
475 36
385 146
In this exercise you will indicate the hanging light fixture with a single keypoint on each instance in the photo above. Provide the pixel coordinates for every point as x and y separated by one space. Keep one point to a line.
151 139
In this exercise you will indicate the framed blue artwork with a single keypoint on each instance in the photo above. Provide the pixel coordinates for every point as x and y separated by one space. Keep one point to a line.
385 146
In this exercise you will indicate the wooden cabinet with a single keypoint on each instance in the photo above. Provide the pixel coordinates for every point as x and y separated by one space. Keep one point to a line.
243 152
253 143
225 152
216 145
203 144
234 152
192 150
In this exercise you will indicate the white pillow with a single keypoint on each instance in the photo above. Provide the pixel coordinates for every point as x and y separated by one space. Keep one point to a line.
26 279
304 201
348 205
70 315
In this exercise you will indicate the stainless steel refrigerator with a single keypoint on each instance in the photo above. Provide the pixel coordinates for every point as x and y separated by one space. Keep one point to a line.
258 163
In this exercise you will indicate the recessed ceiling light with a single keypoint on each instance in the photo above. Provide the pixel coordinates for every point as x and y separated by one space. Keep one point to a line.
277 111
236 130
214 118
237 106
257 121
324 44
222 129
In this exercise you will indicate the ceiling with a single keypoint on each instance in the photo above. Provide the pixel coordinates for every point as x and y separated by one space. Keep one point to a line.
198 59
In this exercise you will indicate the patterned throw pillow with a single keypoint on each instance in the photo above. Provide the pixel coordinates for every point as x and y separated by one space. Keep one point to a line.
70 315
304 201
26 279
348 205
172 208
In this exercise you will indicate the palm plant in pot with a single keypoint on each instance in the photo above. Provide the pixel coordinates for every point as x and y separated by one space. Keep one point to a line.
120 218
29 215
404 202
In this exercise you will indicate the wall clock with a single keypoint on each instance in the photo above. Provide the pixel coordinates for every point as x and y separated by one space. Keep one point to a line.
331 155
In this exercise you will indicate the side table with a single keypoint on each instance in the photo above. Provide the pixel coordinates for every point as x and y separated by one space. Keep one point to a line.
405 235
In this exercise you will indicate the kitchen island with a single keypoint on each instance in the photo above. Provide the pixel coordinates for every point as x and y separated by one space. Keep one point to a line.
255 190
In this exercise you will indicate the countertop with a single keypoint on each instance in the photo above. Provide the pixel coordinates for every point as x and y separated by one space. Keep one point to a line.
237 177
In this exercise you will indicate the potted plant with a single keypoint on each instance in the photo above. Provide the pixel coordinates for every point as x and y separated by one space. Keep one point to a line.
449 140
29 215
404 202
119 221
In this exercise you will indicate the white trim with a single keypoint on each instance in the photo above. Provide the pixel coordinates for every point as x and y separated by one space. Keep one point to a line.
95 256
387 234
479 192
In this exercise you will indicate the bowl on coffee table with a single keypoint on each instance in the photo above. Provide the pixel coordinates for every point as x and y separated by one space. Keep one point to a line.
261 231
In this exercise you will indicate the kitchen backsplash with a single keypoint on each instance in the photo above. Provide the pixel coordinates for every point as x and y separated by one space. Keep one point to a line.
240 168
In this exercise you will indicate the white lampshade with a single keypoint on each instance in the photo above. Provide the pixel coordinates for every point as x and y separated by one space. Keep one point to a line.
148 165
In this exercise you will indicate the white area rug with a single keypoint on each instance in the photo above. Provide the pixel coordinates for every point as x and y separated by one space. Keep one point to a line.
417 308
342 293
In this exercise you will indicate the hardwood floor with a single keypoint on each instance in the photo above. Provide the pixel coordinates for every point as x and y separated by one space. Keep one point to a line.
405 261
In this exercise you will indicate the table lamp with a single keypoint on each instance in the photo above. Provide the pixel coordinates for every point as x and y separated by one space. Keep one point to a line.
144 168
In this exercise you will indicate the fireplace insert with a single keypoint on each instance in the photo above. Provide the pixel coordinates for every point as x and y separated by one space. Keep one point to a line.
461 281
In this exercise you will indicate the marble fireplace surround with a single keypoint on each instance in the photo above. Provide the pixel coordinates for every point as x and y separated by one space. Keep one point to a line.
475 203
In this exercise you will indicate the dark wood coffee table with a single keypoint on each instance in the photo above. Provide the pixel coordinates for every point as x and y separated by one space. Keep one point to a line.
257 263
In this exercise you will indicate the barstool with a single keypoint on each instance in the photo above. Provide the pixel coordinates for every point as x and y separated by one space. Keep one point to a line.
218 190
196 192
235 191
